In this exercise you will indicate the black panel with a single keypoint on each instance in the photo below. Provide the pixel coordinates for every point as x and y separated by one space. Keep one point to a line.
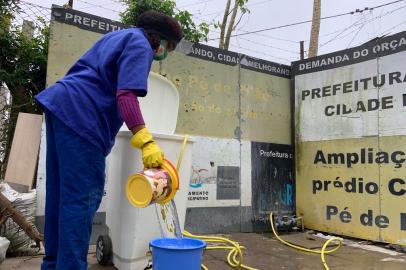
273 187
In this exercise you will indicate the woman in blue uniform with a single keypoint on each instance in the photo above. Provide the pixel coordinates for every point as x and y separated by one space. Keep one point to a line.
84 112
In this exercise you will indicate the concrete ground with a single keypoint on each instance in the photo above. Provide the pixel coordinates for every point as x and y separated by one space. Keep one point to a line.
263 252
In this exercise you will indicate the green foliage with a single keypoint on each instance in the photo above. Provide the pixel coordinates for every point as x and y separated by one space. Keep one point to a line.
23 59
191 31
8 8
241 4
23 62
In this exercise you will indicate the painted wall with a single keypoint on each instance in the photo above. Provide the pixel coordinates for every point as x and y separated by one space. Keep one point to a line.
235 106
350 119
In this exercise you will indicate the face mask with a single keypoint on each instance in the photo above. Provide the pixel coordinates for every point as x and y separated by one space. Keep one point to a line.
162 51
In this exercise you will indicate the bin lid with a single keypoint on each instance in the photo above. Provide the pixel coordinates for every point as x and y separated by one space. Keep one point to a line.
160 106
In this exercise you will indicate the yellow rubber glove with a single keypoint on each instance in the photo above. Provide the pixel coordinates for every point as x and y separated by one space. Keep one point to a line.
152 155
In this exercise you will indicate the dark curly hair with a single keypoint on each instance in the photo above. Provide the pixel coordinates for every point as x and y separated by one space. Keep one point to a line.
154 22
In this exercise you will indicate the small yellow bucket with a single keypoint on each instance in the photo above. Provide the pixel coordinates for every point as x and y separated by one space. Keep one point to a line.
155 185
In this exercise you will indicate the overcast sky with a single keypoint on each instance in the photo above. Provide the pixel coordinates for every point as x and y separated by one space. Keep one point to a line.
280 45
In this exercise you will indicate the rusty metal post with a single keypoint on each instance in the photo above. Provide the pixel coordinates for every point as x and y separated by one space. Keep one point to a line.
301 50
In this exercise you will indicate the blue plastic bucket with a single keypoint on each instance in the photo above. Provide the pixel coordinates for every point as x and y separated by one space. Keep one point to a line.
177 253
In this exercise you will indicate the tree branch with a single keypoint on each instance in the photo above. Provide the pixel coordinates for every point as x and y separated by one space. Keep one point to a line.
230 27
224 24
238 22
9 210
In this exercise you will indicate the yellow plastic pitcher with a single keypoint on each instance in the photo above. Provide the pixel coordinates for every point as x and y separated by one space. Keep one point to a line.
155 185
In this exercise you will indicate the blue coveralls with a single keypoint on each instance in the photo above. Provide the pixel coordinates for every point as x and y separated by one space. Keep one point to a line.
82 121
74 188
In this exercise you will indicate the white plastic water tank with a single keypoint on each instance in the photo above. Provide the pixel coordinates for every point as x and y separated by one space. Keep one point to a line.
131 229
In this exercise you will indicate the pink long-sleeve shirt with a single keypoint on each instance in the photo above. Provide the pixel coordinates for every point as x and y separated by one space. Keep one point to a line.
129 108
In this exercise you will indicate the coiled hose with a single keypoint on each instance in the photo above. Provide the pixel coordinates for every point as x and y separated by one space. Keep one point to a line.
235 256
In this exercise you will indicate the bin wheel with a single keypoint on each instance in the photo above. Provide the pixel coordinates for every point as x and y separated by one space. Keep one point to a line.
104 250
